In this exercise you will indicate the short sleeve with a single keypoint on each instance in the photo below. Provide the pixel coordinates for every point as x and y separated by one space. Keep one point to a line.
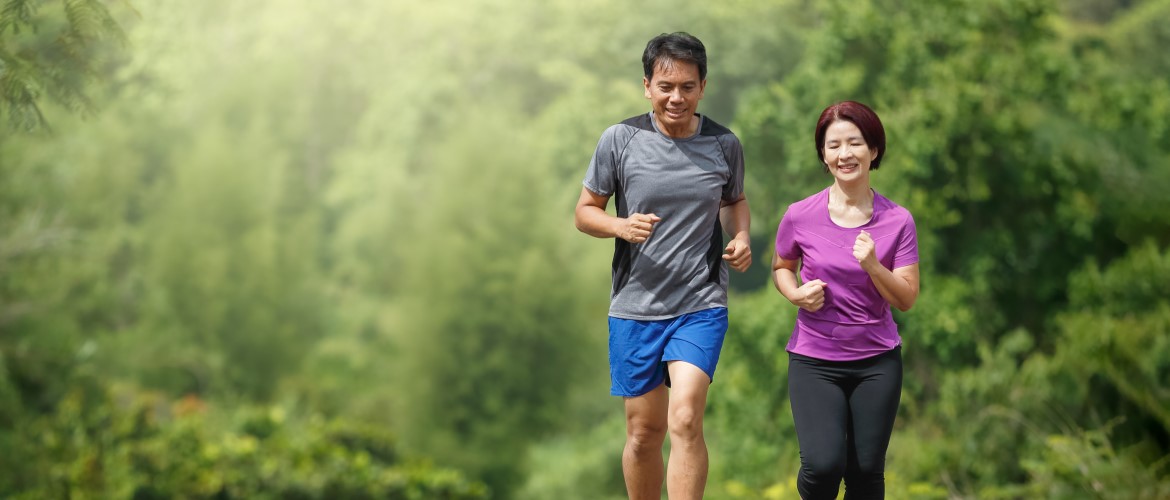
733 153
601 178
907 252
786 246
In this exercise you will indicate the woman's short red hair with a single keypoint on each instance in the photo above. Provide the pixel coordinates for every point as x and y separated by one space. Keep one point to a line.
865 119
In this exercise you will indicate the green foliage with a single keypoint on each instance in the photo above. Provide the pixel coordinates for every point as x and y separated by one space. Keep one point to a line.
143 445
585 466
749 422
50 53
488 315
1088 464
1073 423
1117 331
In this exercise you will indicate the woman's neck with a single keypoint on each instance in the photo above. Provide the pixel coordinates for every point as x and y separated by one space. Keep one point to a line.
850 208
852 195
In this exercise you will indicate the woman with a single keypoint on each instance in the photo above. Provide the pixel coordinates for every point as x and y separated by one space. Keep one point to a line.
857 254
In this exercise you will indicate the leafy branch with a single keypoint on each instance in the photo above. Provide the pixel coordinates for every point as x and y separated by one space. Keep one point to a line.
52 55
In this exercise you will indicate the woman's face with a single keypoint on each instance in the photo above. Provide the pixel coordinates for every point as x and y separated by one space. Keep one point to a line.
846 153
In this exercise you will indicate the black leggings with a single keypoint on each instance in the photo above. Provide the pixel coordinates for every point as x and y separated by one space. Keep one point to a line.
844 413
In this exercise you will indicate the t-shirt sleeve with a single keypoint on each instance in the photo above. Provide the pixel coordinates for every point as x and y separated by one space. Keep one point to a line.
907 252
786 246
601 178
733 152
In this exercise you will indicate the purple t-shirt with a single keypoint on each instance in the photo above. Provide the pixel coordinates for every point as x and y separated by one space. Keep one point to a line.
855 322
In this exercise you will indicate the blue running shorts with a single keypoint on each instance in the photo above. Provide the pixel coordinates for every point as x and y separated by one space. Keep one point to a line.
639 349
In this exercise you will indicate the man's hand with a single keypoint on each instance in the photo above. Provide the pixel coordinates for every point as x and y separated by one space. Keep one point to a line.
811 295
738 255
637 227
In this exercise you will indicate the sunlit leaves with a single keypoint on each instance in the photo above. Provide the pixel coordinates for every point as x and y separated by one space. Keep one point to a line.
49 53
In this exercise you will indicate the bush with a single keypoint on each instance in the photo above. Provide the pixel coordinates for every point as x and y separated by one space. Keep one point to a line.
143 446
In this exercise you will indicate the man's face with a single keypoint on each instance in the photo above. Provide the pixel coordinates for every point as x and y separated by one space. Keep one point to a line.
674 92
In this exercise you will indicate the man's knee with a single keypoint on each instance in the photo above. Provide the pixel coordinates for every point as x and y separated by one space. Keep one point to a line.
645 437
686 423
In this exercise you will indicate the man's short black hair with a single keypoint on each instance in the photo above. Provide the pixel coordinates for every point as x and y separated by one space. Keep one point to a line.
678 46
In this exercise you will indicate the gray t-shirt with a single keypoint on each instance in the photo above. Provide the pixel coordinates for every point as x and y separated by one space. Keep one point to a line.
680 269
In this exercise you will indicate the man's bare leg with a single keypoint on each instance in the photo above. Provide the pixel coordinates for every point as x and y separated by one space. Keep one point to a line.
645 433
686 476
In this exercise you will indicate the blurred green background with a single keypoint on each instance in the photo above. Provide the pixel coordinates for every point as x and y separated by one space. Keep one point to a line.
308 249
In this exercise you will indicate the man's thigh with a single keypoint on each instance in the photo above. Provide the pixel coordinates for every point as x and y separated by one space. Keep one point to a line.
697 339
688 389
647 412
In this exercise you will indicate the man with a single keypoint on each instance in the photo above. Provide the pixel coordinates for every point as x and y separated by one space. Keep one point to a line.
678 181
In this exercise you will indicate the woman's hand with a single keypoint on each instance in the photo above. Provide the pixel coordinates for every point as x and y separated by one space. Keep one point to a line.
810 296
863 251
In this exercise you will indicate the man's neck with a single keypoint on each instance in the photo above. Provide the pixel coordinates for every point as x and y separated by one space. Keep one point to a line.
682 133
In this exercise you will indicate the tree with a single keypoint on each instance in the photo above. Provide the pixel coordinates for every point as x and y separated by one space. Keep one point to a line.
50 55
